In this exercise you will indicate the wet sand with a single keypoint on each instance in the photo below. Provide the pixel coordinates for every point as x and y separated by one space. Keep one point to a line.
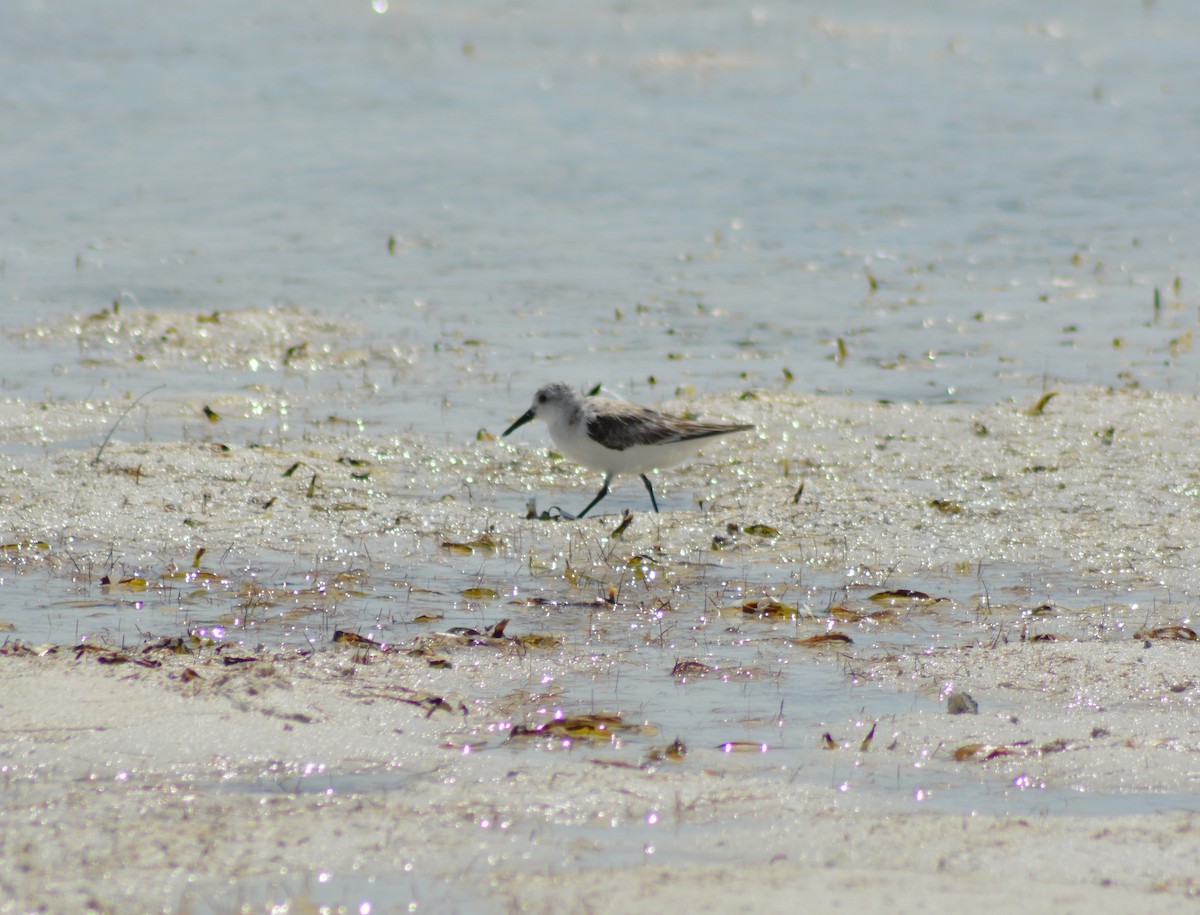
267 766
126 790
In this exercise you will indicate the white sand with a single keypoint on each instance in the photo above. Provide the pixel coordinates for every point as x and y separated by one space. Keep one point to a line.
121 793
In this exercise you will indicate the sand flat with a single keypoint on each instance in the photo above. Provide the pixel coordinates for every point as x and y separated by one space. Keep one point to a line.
260 762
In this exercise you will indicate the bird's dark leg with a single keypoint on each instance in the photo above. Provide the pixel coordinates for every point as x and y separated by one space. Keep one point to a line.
650 489
600 495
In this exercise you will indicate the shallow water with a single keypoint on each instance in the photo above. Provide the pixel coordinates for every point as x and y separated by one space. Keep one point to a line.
486 186
333 893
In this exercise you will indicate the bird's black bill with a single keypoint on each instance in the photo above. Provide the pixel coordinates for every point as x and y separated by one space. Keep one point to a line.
529 414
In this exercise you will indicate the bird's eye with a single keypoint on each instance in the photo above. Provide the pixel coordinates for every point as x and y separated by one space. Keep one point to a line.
541 398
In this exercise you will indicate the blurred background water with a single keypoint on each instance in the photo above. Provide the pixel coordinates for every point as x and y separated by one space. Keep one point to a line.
978 200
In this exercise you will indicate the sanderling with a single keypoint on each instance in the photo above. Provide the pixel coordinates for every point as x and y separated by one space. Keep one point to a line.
616 436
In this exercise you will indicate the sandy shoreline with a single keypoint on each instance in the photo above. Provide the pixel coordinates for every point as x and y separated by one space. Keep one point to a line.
182 782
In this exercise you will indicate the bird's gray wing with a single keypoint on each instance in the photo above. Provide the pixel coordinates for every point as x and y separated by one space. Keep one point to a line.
620 426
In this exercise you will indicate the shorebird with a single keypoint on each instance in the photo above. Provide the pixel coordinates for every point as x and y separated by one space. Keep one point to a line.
616 436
